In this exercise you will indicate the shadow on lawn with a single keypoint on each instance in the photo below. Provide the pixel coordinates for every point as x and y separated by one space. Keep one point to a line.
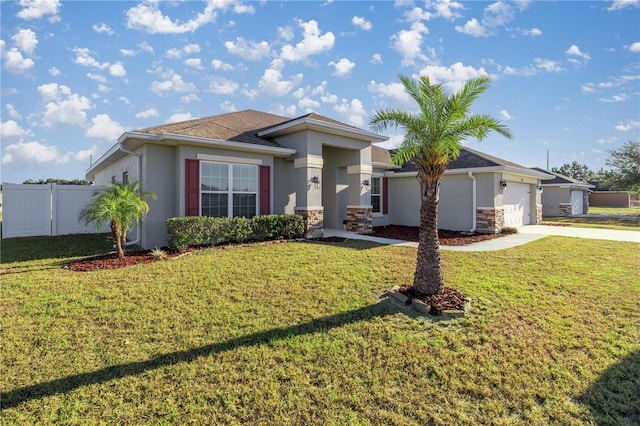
63 246
67 384
614 399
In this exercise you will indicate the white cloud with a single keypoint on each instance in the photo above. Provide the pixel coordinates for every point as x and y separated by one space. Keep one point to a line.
103 89
409 43
147 113
361 23
33 152
117 69
286 33
103 127
629 125
181 116
145 47
194 63
97 77
189 98
173 84
447 9
498 14
222 86
452 77
84 58
505 115
227 106
174 53
128 52
218 65
548 65
376 59
86 154
249 49
308 104
285 111
191 48
313 42
124 100
103 28
26 41
395 91
352 110
472 28
615 98
11 129
13 112
36 9
533 32
272 83
147 16
53 71
576 52
635 47
621 4
343 67
609 140
15 63
63 106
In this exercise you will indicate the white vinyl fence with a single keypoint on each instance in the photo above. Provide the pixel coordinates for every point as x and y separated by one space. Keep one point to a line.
51 209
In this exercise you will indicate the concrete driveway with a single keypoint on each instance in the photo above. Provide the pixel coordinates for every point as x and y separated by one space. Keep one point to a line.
592 233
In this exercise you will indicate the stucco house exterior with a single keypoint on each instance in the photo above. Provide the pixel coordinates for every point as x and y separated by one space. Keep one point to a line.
564 196
248 162
478 193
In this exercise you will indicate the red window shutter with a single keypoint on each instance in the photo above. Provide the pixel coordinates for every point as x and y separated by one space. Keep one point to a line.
192 188
385 195
265 189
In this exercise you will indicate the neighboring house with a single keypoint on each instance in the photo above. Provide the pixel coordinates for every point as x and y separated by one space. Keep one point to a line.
564 196
247 163
478 193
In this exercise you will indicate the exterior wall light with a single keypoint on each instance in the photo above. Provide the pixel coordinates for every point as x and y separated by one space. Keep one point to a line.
366 183
315 181
539 187
503 184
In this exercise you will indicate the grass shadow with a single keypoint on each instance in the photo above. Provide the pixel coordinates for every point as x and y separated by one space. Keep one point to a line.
354 244
614 399
17 396
64 246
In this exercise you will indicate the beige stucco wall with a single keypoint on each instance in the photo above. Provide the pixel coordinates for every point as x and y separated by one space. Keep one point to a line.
551 199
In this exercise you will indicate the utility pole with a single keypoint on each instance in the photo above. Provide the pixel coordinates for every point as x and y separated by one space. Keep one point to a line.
547 160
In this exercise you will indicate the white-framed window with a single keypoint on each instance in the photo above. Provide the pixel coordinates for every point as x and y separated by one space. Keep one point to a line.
376 194
228 190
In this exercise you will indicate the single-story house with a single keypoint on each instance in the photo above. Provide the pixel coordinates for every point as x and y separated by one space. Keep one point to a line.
478 193
249 162
564 196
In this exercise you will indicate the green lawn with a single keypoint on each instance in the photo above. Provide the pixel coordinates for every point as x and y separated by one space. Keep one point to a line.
296 333
624 219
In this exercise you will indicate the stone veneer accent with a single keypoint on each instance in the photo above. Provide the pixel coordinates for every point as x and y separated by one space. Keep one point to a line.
360 219
489 220
565 209
313 222
539 214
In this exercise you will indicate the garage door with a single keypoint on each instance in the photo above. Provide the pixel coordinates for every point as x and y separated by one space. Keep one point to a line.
576 202
517 205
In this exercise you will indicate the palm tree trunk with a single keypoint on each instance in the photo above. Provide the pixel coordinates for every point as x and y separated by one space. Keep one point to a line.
116 234
428 278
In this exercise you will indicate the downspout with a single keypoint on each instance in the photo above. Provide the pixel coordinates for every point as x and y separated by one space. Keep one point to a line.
474 215
126 151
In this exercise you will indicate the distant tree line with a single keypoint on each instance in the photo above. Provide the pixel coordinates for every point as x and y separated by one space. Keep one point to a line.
623 175
58 181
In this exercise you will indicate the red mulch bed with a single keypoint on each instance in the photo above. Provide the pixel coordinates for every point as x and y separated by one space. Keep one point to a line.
449 299
111 260
446 238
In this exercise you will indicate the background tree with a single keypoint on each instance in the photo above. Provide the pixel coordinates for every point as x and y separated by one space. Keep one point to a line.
58 181
575 170
433 139
625 167
120 205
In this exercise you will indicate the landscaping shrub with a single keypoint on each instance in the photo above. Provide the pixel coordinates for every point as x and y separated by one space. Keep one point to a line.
199 230
509 230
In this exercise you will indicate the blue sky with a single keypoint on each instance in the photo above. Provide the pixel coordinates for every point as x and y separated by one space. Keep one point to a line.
76 75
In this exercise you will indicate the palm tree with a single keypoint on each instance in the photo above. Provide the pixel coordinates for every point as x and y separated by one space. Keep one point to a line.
433 139
120 205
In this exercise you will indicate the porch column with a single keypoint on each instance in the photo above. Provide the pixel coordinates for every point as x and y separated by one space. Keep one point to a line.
308 185
359 209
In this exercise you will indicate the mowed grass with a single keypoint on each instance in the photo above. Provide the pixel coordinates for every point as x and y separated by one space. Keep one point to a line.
606 218
296 333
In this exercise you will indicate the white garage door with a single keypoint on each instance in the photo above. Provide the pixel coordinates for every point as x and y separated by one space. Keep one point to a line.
517 205
576 202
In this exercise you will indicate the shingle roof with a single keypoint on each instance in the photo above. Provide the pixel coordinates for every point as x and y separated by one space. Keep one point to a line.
562 179
470 159
380 155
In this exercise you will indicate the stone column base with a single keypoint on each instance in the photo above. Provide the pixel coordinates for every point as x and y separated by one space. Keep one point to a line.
489 220
313 222
539 214
565 209
360 219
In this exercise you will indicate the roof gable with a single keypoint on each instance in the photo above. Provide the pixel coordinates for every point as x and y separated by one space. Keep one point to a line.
559 179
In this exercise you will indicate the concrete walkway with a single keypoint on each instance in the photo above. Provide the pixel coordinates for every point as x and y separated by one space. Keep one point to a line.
525 235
